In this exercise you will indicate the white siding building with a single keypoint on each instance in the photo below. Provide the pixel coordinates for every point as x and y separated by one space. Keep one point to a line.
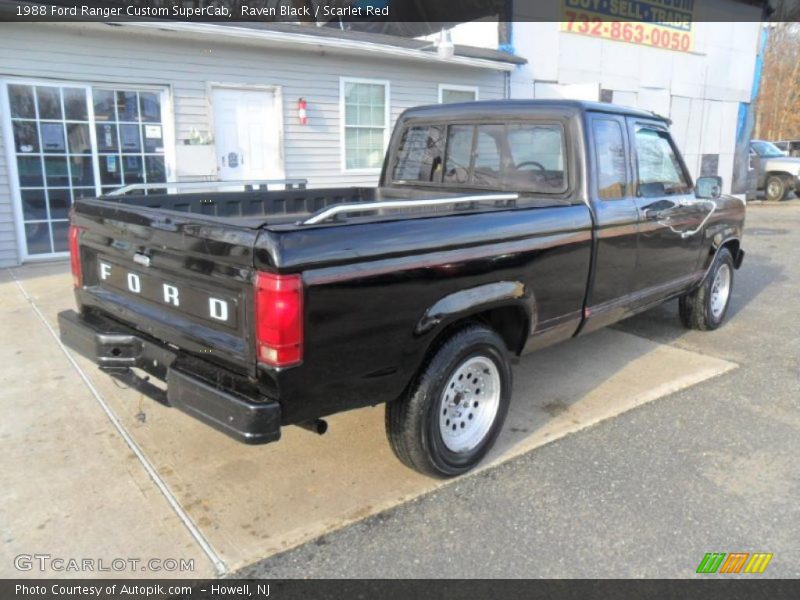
705 85
701 91
85 108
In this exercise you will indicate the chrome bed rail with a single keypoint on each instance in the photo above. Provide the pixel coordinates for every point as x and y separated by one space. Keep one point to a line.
337 209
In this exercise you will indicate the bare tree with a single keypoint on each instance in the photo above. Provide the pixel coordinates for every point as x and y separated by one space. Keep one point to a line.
778 102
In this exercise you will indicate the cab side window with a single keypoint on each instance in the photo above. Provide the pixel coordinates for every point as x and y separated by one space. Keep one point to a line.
660 172
609 149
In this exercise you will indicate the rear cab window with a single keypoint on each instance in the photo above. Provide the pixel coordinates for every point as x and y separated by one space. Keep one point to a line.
527 156
459 154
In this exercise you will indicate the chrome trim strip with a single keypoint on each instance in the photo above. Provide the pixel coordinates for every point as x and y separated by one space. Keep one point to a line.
336 209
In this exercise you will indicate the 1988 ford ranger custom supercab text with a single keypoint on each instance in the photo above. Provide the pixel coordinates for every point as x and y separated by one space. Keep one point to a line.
497 228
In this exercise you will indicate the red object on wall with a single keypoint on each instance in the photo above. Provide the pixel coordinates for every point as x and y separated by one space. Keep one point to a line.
301 111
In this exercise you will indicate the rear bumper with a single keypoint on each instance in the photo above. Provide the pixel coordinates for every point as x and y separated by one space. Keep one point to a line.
116 348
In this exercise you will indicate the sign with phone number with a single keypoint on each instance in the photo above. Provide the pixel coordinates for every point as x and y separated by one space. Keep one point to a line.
665 24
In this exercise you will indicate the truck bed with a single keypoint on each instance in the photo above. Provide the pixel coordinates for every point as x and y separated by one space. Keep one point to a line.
250 207
257 208
209 245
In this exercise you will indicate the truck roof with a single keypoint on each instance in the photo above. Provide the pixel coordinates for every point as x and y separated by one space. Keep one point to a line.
512 108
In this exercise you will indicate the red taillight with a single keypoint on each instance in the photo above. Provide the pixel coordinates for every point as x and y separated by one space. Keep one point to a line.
75 256
279 319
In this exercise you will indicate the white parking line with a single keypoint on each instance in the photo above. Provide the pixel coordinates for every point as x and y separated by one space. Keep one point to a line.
194 531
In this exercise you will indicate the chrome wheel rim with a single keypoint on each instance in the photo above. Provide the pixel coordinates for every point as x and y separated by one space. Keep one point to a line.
469 403
773 189
720 291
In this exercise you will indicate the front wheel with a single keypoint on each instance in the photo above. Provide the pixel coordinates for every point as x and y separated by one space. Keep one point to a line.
452 415
776 188
705 307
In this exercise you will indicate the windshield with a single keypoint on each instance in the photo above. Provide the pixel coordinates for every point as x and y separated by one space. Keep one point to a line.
766 149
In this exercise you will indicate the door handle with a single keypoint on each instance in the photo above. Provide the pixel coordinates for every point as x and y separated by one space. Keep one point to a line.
241 159
223 160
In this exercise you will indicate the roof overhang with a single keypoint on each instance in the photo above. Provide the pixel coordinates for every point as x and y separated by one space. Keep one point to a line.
282 39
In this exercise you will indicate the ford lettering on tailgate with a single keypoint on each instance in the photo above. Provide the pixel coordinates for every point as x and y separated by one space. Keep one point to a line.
215 307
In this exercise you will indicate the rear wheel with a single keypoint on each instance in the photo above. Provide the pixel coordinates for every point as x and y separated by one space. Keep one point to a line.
705 307
776 188
452 415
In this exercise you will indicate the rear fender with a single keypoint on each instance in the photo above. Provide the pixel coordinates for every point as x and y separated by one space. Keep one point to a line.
464 303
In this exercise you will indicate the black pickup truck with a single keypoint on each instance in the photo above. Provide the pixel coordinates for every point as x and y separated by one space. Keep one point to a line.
497 228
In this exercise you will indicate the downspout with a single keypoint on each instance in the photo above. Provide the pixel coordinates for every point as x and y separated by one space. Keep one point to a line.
505 34
744 125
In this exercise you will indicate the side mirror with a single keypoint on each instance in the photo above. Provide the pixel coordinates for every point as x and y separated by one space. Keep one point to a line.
708 188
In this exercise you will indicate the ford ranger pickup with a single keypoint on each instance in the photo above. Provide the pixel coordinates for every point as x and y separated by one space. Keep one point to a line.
497 228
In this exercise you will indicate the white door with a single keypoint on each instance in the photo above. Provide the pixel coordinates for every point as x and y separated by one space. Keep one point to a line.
247 125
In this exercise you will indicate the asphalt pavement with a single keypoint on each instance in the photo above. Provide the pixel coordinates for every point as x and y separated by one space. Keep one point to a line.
712 468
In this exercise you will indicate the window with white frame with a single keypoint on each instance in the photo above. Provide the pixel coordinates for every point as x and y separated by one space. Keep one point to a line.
457 93
130 137
365 118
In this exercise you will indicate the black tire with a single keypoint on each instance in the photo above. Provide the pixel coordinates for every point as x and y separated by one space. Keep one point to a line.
413 422
776 188
696 308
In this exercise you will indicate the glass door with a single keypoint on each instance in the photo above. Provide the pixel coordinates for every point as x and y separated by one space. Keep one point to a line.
53 149
73 141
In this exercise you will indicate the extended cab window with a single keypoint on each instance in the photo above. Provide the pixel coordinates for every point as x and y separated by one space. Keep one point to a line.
419 156
660 172
610 157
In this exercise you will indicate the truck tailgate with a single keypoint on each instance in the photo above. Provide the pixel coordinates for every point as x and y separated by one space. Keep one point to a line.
183 279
